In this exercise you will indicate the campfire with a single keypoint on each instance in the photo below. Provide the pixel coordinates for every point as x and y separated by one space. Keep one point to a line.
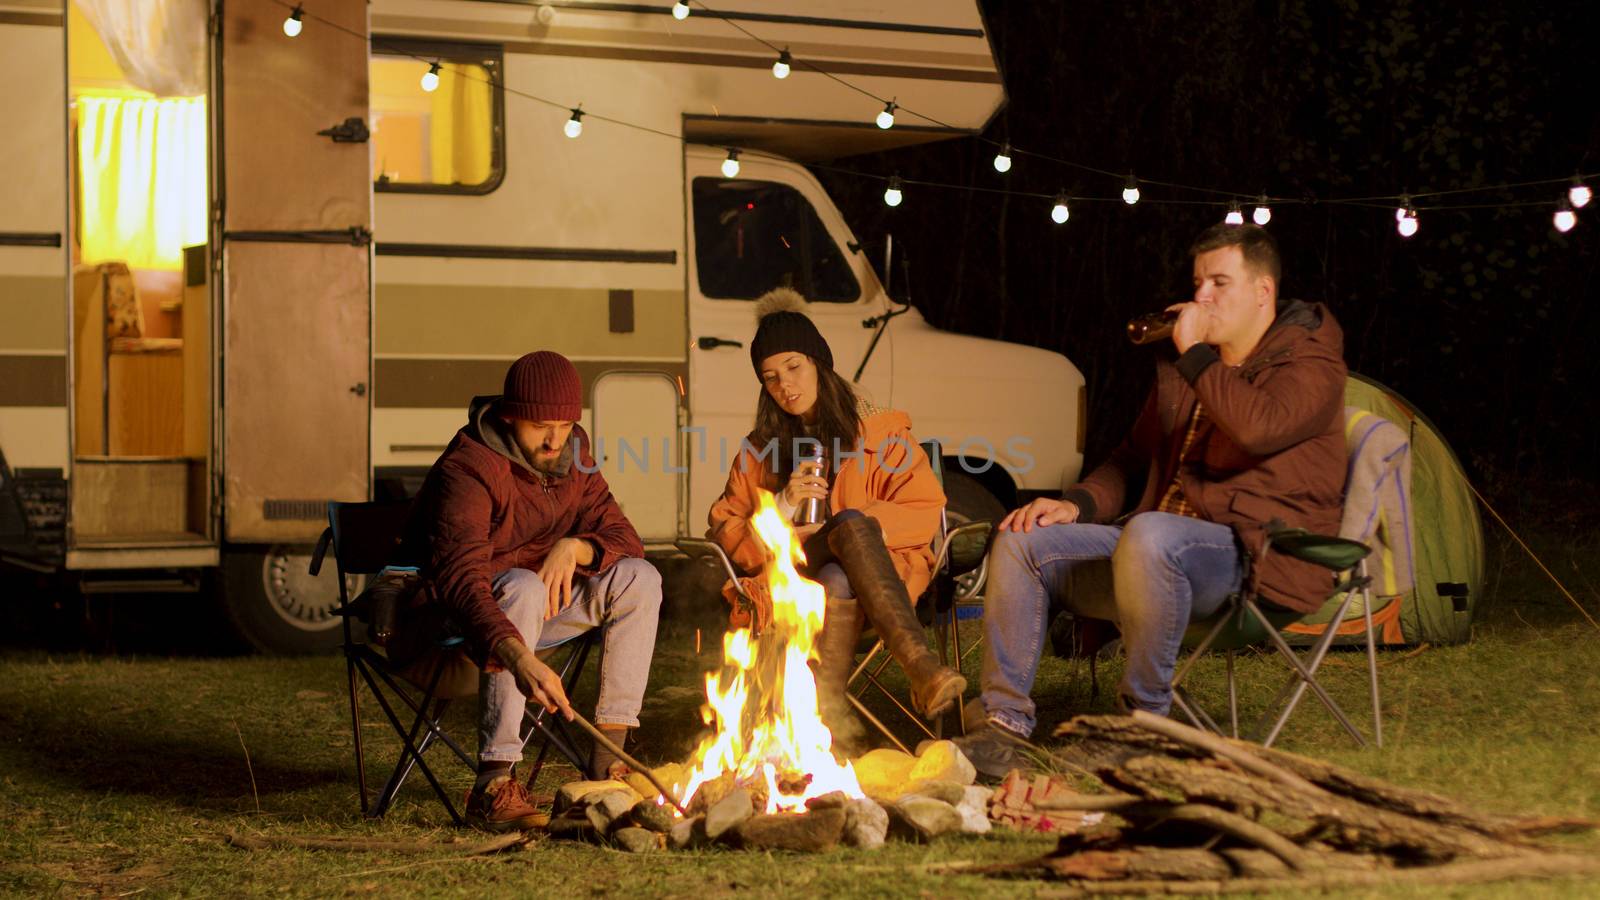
766 733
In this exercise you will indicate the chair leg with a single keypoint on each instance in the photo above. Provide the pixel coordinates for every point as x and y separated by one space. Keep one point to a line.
1372 661
1233 699
1306 677
407 762
350 663
541 722
435 731
1294 688
1180 698
876 722
394 721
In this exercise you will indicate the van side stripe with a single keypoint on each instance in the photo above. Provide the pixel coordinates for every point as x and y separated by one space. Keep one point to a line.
33 380
452 383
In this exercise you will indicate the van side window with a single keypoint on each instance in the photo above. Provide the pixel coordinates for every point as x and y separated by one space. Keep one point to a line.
448 140
753 236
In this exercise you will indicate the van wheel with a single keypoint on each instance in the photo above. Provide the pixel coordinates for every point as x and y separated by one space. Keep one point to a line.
967 500
275 604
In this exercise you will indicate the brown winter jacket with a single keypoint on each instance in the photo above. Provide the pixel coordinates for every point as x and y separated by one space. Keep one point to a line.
483 509
1273 444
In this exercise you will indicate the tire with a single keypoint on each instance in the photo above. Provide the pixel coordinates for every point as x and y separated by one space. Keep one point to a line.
276 606
967 500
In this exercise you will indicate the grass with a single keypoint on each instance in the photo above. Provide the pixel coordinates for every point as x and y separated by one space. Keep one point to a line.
122 774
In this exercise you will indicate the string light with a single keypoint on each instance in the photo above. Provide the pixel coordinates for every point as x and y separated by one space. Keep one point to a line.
1002 160
1579 194
886 118
1059 213
293 24
574 126
680 10
430 78
780 69
892 195
1130 191
1235 215
1263 212
1404 208
1565 218
1407 225
730 166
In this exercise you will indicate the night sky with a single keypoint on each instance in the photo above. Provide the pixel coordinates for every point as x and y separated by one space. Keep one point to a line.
1486 319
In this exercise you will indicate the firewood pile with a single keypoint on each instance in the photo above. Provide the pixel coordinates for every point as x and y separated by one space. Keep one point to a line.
1191 813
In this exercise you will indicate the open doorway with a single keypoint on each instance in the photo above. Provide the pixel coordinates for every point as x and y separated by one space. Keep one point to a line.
141 342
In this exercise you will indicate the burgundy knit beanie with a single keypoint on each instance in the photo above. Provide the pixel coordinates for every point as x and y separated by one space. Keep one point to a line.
542 387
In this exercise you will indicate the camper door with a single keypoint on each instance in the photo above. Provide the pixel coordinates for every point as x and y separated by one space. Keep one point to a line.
297 302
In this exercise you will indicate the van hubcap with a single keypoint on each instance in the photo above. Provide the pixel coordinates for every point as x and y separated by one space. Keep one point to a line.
300 599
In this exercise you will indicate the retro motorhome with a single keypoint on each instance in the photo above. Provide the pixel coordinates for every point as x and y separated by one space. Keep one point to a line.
257 255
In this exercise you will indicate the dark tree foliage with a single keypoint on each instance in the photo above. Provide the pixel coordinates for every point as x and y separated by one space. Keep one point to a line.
1486 319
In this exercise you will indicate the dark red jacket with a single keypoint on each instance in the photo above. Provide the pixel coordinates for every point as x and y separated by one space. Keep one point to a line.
1273 443
483 510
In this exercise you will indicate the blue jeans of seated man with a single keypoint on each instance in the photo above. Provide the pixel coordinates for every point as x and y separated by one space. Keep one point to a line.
625 600
1151 577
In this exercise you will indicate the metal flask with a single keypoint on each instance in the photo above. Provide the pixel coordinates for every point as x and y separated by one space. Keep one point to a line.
812 510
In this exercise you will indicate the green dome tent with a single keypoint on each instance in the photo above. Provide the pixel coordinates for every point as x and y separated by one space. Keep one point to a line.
1447 539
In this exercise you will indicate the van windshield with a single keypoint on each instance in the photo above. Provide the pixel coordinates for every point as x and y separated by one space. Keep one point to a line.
753 236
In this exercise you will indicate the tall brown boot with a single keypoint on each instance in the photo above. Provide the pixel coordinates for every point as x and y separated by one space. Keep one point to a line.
836 657
858 545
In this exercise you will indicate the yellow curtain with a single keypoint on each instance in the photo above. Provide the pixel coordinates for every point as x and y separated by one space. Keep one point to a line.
143 167
463 123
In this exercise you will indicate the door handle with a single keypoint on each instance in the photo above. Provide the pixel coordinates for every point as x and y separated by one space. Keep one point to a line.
360 389
712 343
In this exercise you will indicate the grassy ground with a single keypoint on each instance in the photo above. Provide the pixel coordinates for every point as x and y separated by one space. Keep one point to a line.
121 774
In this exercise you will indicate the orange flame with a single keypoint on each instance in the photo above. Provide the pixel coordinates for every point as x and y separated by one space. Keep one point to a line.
762 705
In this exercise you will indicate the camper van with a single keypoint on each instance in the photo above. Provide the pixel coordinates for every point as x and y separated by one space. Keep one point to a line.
259 255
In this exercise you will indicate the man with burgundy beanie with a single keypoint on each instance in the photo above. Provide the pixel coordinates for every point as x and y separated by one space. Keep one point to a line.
525 548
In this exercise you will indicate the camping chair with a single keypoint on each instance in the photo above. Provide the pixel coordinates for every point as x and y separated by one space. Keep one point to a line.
1378 468
365 539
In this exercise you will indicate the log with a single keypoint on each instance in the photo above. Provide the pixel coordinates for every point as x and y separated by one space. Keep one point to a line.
1234 826
1140 863
1234 753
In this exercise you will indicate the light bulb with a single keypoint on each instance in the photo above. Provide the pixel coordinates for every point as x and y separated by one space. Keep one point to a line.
1579 194
680 10
1130 191
780 69
1002 160
1235 216
293 24
1059 212
1565 218
730 166
574 126
1408 223
1404 209
1263 212
892 195
886 118
430 78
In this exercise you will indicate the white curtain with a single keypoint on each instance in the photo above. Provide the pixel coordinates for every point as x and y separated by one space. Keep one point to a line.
160 44
143 168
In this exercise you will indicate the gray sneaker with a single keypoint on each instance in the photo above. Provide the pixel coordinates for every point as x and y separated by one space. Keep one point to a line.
992 750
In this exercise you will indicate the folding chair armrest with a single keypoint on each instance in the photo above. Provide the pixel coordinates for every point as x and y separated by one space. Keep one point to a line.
321 550
700 548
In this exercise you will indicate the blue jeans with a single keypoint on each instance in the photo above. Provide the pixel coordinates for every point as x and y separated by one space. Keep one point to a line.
625 600
1151 577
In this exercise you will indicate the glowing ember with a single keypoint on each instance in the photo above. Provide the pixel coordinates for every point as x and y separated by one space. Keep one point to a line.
762 705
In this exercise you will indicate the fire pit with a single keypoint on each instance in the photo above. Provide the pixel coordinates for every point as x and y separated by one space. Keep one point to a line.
766 774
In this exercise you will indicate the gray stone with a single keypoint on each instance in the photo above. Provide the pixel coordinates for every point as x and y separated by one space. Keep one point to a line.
924 818
866 824
638 840
948 791
728 812
974 809
810 832
687 833
607 808
651 815
574 792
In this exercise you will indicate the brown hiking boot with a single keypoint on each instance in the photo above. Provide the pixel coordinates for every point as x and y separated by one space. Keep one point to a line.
504 806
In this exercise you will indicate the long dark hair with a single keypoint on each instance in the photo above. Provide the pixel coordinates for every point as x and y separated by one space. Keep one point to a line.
837 428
